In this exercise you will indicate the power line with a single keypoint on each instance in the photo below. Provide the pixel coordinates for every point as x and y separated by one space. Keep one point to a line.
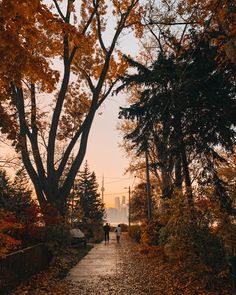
114 181
113 177
112 194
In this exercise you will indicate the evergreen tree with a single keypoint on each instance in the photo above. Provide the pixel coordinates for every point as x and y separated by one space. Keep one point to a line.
6 191
138 203
15 196
182 108
22 199
89 199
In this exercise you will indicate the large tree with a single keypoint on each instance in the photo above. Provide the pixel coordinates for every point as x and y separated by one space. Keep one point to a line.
183 109
46 113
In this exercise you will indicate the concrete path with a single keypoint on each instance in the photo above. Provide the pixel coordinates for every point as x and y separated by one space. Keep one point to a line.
103 260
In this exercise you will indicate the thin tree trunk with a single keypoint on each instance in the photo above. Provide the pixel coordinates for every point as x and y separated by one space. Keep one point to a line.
184 161
178 173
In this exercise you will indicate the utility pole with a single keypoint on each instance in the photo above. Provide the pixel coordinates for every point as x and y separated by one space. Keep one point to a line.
149 198
129 206
102 189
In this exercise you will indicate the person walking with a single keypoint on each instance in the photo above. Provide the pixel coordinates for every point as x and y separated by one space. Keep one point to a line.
118 233
106 229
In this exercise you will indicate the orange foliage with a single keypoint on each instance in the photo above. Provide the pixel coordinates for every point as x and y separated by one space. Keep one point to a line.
219 16
31 34
50 215
8 225
29 229
26 26
36 37
26 43
31 223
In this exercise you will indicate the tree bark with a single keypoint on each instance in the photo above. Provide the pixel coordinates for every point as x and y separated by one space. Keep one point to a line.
178 172
184 162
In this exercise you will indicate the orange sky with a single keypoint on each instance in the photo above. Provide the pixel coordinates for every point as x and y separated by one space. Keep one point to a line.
104 155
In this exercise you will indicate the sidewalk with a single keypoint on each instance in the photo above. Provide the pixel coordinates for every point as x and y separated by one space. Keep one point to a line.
113 269
102 261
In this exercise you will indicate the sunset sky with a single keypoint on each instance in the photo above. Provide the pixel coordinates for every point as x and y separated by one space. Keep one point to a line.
104 155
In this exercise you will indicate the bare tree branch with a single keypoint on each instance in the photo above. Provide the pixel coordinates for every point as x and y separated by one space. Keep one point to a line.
96 5
105 95
86 75
59 10
100 34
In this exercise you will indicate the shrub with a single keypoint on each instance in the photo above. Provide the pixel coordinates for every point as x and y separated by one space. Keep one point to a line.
92 231
8 228
185 240
30 220
150 233
124 227
55 235
135 232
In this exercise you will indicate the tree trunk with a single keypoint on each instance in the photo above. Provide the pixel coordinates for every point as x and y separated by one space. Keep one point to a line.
178 173
186 175
184 161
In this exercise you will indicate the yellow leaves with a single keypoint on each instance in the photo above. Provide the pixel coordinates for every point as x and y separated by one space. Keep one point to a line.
117 67
26 28
97 71
52 281
76 108
134 20
33 38
134 16
121 6
87 9
85 44
91 59
32 33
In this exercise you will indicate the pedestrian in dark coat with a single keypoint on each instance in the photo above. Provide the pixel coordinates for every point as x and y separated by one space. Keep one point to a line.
106 229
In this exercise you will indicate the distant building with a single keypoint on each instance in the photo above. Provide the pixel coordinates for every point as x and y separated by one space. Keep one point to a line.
119 214
123 200
112 215
117 203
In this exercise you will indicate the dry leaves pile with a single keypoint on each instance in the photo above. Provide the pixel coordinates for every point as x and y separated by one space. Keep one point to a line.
140 274
137 274
52 281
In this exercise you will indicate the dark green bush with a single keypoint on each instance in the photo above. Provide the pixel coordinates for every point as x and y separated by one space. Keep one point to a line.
55 236
93 231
